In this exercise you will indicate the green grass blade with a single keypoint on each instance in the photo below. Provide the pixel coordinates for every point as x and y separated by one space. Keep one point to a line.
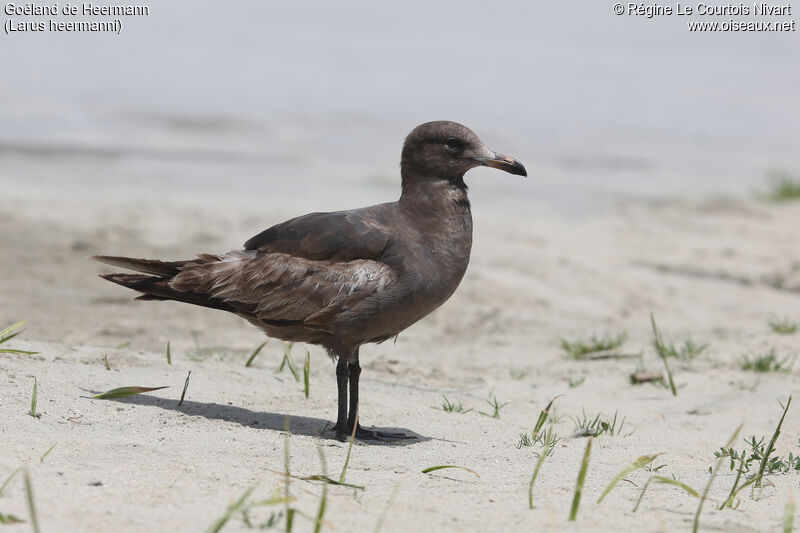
50 449
675 483
125 391
771 446
8 480
232 509
543 417
542 456
306 372
31 503
10 519
108 366
185 386
349 448
730 442
441 467
788 516
634 465
255 353
123 345
7 334
287 360
169 355
385 512
323 502
576 499
658 342
34 398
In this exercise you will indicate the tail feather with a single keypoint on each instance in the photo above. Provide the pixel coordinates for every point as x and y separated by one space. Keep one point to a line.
157 288
148 266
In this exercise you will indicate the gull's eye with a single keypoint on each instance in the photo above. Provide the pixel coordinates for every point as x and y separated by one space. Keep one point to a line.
453 144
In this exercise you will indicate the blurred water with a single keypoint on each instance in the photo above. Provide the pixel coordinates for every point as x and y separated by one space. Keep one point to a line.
314 99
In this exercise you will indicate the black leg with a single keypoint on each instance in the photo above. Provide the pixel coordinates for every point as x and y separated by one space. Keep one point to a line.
341 383
354 371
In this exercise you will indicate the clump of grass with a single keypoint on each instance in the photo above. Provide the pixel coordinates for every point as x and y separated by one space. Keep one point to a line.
576 499
784 326
581 348
783 187
185 386
125 391
9 333
658 344
496 407
255 353
599 425
546 439
687 351
766 362
575 382
34 400
453 407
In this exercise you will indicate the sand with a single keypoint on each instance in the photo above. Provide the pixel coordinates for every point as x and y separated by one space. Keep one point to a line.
713 269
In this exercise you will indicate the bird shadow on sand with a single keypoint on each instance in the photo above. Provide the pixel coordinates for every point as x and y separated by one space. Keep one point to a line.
299 425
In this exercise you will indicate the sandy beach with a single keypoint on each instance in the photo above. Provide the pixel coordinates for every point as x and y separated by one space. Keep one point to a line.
713 269
202 124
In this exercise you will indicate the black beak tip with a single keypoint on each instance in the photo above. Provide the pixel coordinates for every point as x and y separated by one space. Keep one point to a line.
519 170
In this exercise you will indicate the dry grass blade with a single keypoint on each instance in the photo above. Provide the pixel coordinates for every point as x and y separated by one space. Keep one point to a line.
658 342
646 377
31 503
125 391
255 353
185 386
576 499
8 480
441 467
634 465
696 523
9 333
